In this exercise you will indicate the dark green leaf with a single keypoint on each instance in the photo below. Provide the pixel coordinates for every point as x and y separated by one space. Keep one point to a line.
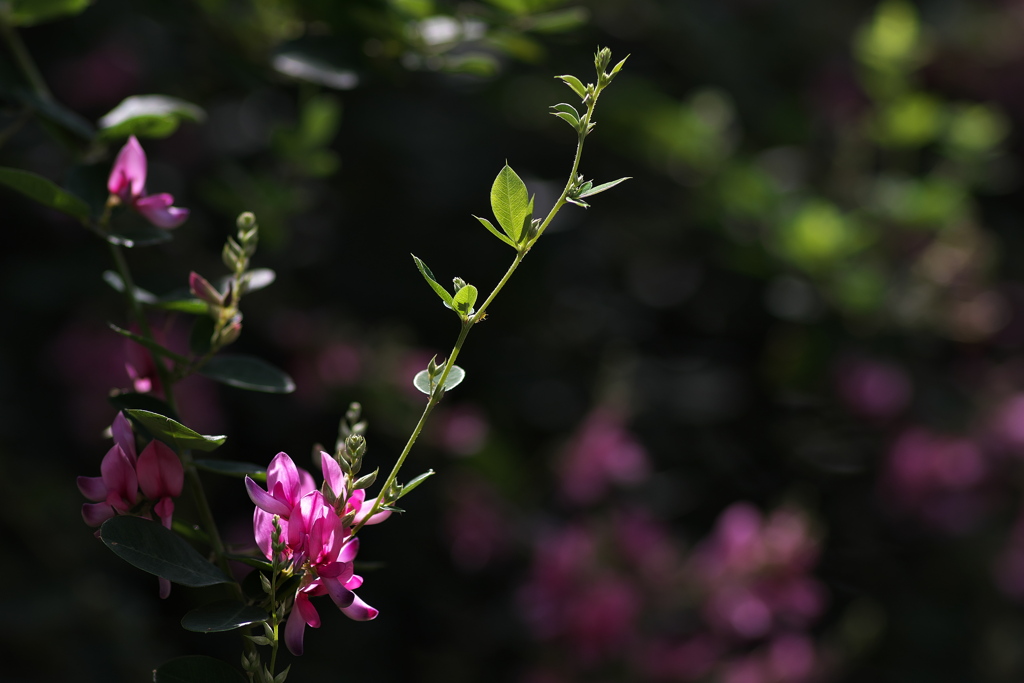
432 281
154 549
45 192
494 231
31 12
233 468
464 300
150 116
248 372
115 281
149 344
132 230
197 669
147 402
560 20
223 615
601 188
173 433
200 337
56 114
509 202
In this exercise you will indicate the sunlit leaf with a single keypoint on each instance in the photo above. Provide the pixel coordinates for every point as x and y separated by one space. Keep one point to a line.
223 615
510 202
432 281
197 669
464 300
422 379
174 433
130 400
576 85
248 372
44 191
601 188
152 548
494 231
304 66
416 481
133 231
151 116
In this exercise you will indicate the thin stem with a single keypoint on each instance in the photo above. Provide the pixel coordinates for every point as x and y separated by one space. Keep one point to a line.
24 60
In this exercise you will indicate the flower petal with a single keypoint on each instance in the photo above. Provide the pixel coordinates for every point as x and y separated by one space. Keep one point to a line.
333 475
165 511
128 176
294 629
360 611
92 488
265 501
160 471
95 514
157 210
124 436
119 476
341 596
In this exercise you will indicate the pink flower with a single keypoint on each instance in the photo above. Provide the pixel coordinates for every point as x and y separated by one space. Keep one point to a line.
315 537
127 182
161 478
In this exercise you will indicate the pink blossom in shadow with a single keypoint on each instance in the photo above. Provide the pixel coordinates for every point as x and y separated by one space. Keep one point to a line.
100 77
936 478
685 660
476 525
460 430
127 183
601 454
872 388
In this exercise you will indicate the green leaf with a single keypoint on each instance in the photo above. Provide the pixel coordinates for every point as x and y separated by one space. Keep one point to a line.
408 488
115 281
576 85
422 380
432 281
197 669
568 118
189 306
567 109
510 202
464 300
223 615
132 230
601 188
232 468
32 12
304 65
57 114
174 433
152 548
149 344
494 231
149 116
131 400
248 372
258 278
45 192
559 20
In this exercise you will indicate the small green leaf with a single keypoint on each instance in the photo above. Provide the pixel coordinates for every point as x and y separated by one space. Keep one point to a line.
32 12
197 669
149 344
200 337
47 193
568 118
174 433
415 482
464 300
232 468
494 231
576 85
189 306
223 615
248 372
510 202
422 380
150 116
152 548
567 109
432 281
601 188
131 401
258 278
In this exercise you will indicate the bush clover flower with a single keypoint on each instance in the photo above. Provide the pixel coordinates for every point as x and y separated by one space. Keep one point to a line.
127 185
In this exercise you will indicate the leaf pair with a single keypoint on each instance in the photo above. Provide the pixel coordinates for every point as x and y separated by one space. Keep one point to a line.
512 207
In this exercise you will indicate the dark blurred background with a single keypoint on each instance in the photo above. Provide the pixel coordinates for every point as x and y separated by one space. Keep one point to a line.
756 416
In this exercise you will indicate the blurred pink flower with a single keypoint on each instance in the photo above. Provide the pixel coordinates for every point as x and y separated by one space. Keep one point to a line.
127 182
461 430
873 388
601 453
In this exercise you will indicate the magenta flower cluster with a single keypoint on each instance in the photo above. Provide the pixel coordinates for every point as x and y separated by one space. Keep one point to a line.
310 532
